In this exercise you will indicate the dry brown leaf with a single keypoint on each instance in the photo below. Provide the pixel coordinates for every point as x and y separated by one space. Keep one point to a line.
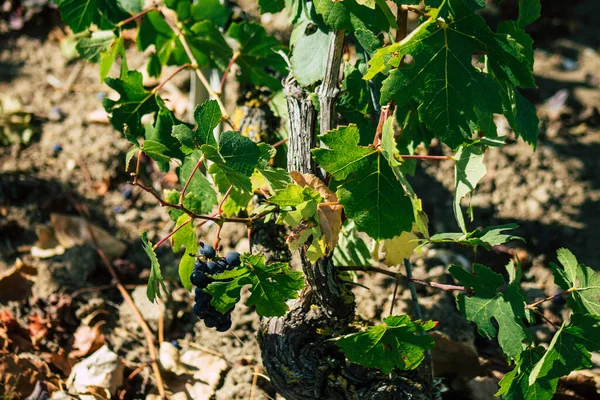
19 376
88 339
73 231
58 360
38 328
330 215
16 282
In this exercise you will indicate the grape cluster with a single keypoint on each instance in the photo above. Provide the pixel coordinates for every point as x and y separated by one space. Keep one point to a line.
204 268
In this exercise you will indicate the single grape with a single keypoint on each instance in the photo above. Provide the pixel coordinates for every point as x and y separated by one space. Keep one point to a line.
212 267
224 324
208 251
211 320
175 343
200 265
127 192
200 279
233 258
222 265
560 300
200 309
202 296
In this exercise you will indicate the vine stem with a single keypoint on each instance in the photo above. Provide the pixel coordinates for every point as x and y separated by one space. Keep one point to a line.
369 268
171 234
163 83
140 319
189 179
194 65
231 62
418 157
225 196
533 306
414 9
136 16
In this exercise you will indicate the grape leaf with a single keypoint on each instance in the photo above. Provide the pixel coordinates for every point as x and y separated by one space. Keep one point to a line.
109 56
80 14
368 189
258 54
135 101
212 10
351 249
270 6
486 238
200 195
468 171
350 15
396 249
536 372
157 151
391 153
186 237
236 158
207 117
529 11
442 77
397 343
172 196
309 57
487 303
582 281
131 6
271 286
90 48
155 280
515 384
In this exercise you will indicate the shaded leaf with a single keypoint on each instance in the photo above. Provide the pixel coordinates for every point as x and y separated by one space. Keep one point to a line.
468 171
155 279
186 237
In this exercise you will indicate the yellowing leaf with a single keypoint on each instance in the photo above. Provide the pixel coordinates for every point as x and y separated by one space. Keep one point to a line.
397 248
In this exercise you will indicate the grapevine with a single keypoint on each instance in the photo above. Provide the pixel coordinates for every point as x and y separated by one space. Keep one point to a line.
365 99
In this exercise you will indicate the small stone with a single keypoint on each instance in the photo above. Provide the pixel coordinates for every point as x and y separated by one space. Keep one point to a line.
55 114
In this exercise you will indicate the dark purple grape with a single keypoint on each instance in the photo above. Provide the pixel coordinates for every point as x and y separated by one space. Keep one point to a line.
233 258
208 251
201 310
560 300
224 324
212 268
200 266
200 279
222 266
127 192
211 320
175 343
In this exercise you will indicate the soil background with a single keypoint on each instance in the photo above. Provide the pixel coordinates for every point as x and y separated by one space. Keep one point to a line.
552 193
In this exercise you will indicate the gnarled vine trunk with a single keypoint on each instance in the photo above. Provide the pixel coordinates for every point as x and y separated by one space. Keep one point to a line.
301 360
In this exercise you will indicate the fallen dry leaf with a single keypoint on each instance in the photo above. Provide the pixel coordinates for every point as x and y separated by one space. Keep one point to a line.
38 328
16 282
87 340
18 376
103 369
72 231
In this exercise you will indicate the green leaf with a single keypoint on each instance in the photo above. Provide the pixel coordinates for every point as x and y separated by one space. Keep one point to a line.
537 371
172 196
397 343
108 57
78 14
515 384
349 15
207 117
468 171
582 281
486 238
368 189
199 190
155 280
443 79
129 156
131 6
351 249
90 48
520 114
186 237
157 151
270 6
160 132
135 101
212 10
309 57
258 51
529 11
271 286
236 158
487 303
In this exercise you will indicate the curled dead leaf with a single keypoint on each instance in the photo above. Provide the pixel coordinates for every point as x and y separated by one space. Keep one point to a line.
88 339
16 282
